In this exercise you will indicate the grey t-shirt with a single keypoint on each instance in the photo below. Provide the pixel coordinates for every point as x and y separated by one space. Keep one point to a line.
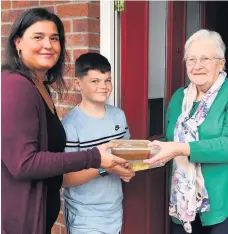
96 206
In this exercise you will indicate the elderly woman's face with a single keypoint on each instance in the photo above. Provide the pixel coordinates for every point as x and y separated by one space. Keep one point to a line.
202 63
40 46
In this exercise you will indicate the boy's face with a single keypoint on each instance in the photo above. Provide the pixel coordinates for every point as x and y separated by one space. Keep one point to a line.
95 87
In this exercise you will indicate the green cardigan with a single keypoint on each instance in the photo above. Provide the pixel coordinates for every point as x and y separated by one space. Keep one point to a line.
211 151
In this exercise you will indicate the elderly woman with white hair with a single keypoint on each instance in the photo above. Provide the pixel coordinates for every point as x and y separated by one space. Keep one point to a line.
197 141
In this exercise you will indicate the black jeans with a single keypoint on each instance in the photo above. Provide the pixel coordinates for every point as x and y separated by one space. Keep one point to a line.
197 228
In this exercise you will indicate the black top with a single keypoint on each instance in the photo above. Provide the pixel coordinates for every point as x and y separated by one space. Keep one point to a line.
56 143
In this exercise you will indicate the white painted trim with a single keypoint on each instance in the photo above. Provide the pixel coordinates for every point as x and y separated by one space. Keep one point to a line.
107 43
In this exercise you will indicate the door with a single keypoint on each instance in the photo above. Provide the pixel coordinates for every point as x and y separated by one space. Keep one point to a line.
146 196
215 18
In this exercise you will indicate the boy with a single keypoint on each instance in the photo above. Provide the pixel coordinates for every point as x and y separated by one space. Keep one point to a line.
94 204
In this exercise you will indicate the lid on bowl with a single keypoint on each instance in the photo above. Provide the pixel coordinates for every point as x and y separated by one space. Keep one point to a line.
131 144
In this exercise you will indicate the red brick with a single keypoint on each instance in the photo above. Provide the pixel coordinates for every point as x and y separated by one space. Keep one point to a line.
53 2
69 70
3 54
78 52
95 51
62 111
24 4
5 4
67 24
5 30
63 230
55 89
78 9
54 96
50 8
86 25
60 219
4 41
94 25
80 25
11 15
56 229
73 40
96 2
94 11
68 55
92 40
70 84
71 99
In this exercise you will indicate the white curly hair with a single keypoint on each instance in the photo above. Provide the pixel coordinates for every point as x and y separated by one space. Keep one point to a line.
211 35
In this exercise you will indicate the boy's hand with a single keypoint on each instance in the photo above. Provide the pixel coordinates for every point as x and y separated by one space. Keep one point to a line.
124 171
109 160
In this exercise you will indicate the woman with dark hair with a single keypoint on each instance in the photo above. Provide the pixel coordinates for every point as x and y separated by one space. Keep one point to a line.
33 138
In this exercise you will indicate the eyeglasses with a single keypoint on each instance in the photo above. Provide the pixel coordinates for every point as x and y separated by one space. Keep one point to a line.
203 60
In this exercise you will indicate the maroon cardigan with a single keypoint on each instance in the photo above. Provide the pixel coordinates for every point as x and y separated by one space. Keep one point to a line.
25 159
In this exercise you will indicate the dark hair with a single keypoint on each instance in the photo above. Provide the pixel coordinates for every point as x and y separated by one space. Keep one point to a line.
91 61
13 62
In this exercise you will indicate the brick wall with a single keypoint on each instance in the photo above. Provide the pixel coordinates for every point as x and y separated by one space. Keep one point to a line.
82 27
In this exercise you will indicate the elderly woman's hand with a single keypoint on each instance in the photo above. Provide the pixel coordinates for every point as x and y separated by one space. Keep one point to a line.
166 152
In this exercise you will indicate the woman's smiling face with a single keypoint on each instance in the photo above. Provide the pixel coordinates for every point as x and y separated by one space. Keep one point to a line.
40 47
202 63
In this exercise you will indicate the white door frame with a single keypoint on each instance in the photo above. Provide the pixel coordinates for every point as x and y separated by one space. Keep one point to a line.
110 45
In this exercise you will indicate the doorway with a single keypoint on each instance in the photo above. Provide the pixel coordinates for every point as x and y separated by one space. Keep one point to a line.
215 18
144 91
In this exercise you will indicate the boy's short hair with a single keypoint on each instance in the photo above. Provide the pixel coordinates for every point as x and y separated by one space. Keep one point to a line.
91 61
